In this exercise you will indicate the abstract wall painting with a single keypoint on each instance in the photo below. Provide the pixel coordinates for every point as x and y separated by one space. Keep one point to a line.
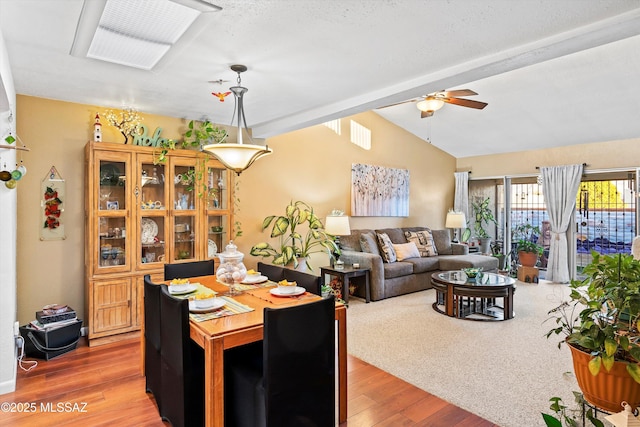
379 191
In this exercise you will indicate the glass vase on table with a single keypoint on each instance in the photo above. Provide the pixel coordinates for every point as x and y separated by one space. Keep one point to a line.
231 271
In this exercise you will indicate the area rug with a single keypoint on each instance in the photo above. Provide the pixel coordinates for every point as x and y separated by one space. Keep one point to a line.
502 371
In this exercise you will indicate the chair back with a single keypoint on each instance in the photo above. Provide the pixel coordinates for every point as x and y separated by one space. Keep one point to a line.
188 269
152 340
308 281
275 273
300 340
182 363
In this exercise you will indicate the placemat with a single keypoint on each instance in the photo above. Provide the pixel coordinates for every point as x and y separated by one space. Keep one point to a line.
265 294
248 287
231 307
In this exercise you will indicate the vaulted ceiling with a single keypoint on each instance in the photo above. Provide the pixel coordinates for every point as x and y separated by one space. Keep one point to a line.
554 72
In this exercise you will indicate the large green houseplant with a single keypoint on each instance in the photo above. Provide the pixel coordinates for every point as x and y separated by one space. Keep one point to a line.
483 217
600 325
525 246
292 245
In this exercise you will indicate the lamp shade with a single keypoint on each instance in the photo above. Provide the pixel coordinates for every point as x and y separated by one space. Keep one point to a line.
430 104
337 225
237 157
455 220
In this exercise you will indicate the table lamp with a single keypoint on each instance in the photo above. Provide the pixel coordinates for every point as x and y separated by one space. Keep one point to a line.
337 225
455 220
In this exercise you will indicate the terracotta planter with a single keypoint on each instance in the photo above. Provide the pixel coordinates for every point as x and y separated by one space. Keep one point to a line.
528 259
607 390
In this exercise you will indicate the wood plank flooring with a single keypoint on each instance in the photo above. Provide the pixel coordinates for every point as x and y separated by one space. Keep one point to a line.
107 379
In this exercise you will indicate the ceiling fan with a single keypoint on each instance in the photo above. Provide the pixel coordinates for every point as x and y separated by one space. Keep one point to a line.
434 101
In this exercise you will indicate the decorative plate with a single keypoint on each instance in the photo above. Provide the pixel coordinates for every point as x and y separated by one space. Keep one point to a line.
149 230
213 248
182 289
216 304
254 278
299 291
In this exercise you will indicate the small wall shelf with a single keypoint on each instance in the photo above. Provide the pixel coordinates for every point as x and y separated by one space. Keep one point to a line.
11 147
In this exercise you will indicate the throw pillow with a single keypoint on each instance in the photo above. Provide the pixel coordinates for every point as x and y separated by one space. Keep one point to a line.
368 243
442 239
423 241
386 248
406 250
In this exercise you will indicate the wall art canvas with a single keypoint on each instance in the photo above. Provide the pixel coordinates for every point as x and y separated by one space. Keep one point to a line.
379 191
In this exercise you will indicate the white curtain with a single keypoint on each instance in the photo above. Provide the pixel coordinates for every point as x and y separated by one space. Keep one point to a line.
461 195
560 185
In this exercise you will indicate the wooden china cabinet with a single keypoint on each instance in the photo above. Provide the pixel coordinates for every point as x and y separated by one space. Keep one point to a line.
139 216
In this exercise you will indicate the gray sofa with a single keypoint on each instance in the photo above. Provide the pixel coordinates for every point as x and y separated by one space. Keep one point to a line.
389 279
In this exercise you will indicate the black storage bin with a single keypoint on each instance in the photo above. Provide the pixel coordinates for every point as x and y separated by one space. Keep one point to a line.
44 344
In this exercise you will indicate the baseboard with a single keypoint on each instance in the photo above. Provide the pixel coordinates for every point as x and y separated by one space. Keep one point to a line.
9 386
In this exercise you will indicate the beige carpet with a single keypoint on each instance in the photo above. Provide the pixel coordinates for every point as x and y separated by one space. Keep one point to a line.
503 371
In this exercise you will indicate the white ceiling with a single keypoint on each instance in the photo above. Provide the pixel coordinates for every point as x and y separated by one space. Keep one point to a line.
554 72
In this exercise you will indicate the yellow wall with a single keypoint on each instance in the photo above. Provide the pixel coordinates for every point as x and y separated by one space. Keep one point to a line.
598 156
312 164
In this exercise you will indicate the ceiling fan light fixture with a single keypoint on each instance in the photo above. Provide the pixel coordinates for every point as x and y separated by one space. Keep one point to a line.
238 156
430 104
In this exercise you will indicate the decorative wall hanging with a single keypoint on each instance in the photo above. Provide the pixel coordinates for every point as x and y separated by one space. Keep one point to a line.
379 191
52 203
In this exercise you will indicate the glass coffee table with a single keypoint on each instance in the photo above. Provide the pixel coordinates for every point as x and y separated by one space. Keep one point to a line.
474 299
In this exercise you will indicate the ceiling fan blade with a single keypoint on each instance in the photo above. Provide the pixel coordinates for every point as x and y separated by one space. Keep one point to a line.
466 103
399 103
424 114
460 92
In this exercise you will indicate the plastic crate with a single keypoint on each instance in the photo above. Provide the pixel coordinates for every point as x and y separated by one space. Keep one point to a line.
47 344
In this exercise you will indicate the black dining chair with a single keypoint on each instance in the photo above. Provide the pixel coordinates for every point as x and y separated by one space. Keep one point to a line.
182 365
275 273
188 269
308 281
152 341
293 384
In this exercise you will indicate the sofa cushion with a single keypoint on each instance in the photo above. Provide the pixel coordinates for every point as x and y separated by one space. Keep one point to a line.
442 239
369 244
351 242
456 262
406 251
386 247
424 264
423 241
397 269
395 234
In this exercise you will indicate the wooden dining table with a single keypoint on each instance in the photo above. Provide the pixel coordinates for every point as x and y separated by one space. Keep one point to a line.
217 335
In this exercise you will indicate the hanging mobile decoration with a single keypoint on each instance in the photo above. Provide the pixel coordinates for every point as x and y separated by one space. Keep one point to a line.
52 203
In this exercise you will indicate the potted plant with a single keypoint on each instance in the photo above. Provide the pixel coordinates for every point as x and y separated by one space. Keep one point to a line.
292 245
600 325
483 216
525 246
197 134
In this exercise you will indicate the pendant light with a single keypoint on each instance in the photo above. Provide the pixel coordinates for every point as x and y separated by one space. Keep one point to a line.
238 156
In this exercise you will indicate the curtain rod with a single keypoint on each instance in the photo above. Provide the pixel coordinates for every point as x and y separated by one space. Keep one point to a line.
584 165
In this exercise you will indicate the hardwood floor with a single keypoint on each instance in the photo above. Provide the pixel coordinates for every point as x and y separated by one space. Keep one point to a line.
102 386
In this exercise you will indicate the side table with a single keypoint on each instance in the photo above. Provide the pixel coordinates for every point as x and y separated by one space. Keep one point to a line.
346 274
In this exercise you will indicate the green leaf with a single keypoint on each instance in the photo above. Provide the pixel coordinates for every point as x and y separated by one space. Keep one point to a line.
267 221
610 346
10 139
551 421
607 362
280 227
594 365
634 370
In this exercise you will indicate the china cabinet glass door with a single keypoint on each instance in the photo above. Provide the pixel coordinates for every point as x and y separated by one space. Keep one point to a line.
185 186
112 207
151 197
218 203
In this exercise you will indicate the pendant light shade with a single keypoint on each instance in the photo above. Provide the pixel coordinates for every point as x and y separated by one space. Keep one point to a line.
238 156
